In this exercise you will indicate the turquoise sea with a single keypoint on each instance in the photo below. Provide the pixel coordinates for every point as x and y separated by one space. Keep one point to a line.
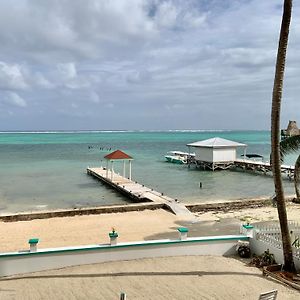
47 170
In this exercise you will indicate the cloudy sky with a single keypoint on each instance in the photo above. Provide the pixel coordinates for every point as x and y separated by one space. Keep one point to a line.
143 64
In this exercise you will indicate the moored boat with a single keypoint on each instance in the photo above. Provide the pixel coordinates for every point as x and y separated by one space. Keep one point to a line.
178 157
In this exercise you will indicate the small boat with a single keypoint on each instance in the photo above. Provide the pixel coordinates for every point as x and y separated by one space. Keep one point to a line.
178 157
253 156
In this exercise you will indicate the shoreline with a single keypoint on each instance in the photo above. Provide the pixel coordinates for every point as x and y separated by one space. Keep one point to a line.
135 225
221 206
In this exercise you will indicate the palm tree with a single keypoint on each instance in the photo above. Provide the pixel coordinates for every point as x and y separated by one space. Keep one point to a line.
287 146
275 136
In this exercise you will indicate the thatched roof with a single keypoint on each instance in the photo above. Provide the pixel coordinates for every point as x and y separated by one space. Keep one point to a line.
292 129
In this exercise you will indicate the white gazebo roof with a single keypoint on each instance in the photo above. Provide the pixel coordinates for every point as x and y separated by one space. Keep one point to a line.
216 143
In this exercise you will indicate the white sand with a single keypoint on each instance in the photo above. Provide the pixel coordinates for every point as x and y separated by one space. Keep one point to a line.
253 215
188 278
161 278
85 230
131 226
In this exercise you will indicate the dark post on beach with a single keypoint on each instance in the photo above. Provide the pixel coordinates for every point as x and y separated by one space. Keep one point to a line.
200 185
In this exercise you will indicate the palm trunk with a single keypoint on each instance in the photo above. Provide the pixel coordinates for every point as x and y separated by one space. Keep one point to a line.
275 136
296 179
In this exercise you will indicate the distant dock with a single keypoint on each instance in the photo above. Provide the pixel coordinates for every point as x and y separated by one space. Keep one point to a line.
262 167
138 192
221 154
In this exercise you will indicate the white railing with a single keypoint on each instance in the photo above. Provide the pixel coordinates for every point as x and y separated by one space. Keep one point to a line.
271 235
269 239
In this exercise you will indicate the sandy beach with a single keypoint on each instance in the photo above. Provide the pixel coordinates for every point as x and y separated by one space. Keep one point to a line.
192 277
131 226
252 215
83 230
160 278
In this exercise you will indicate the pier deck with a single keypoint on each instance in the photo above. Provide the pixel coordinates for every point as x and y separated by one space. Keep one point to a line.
263 167
138 192
244 164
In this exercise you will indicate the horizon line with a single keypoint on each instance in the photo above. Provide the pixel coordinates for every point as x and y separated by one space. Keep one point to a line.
126 130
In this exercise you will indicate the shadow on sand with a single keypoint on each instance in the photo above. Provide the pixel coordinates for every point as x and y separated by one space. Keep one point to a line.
129 274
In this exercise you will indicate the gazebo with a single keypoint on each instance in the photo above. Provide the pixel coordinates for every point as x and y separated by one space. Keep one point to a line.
117 155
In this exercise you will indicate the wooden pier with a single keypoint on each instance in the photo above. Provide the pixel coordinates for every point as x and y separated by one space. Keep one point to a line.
138 192
221 154
243 164
262 167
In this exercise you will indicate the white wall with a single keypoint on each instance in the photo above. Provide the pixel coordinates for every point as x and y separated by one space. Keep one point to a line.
224 154
215 154
259 247
60 257
204 154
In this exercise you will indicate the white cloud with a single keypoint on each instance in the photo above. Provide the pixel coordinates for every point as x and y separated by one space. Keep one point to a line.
41 81
138 76
110 105
74 105
13 99
11 76
67 70
65 75
94 97
179 15
166 14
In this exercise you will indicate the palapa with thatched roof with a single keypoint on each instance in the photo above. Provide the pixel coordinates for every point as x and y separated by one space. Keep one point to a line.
291 130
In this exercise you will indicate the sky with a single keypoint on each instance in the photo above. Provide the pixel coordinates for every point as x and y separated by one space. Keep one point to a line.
144 64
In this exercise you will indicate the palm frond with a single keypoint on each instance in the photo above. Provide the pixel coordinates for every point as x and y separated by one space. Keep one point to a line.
290 145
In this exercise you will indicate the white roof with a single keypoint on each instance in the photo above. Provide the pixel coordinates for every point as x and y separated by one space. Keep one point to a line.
216 143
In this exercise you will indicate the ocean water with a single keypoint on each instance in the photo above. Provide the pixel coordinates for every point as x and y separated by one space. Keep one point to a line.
48 170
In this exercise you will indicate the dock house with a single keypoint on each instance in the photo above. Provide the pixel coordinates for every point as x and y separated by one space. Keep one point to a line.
215 153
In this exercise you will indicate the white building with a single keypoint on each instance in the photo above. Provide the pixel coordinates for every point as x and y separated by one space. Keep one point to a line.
215 153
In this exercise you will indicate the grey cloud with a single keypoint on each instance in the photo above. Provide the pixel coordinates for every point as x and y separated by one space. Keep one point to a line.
67 30
153 63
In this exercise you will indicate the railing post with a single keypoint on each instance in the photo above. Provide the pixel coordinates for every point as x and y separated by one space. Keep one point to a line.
248 230
183 231
113 237
33 244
